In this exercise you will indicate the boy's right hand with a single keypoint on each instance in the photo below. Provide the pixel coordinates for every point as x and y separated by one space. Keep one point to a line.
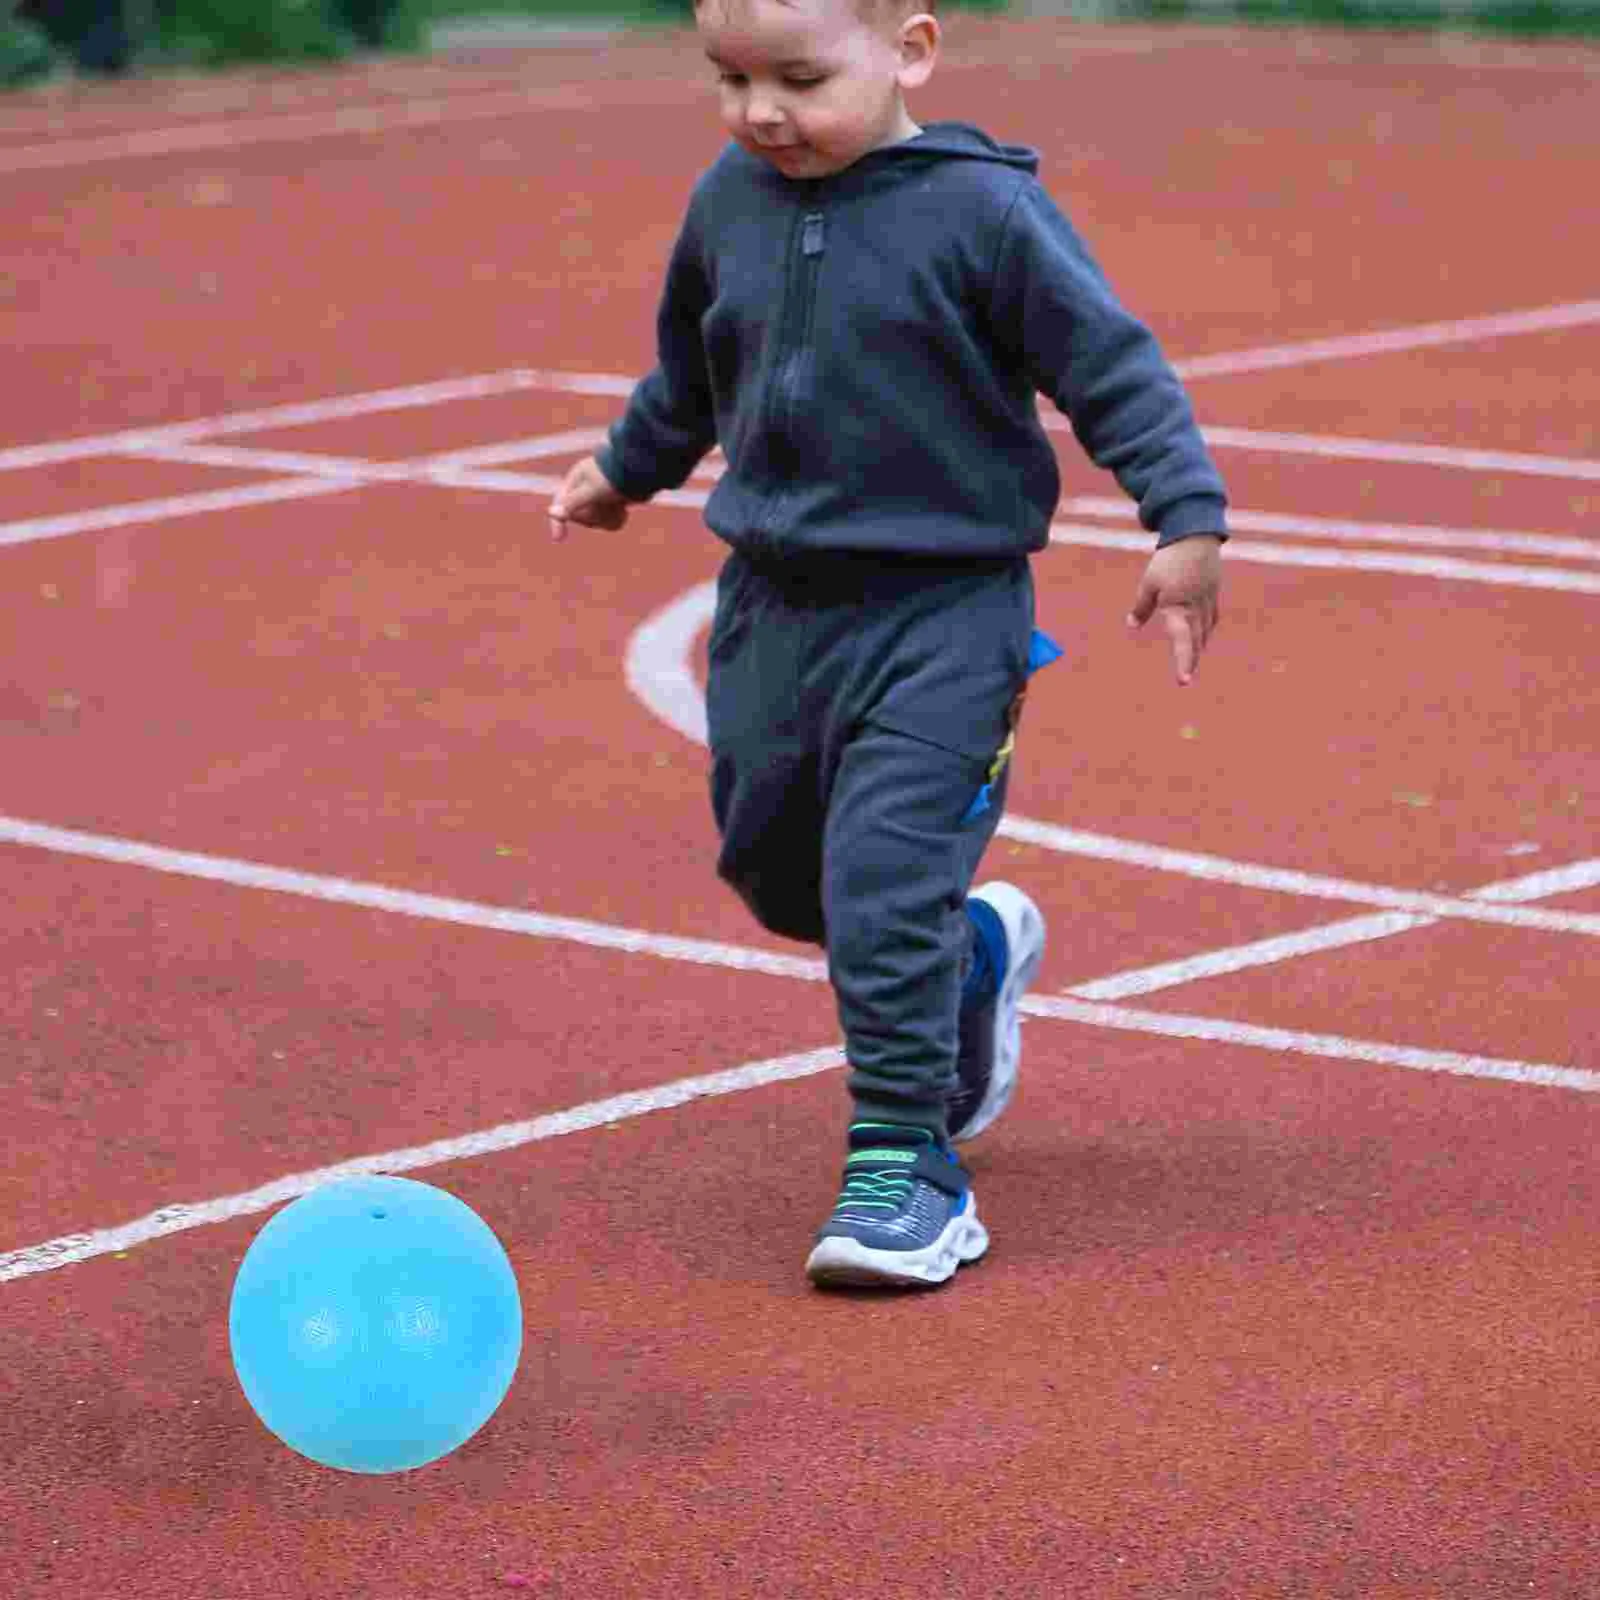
587 497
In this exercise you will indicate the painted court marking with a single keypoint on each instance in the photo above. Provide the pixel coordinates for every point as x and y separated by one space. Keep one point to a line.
301 413
397 114
74 1247
299 475
1429 536
1338 447
294 127
657 669
316 474
1327 936
68 1249
1389 341
1505 574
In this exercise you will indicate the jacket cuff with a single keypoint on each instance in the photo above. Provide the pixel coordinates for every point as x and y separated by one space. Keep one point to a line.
1183 519
629 486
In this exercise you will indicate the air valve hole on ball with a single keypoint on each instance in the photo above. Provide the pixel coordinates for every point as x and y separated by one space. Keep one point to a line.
379 1213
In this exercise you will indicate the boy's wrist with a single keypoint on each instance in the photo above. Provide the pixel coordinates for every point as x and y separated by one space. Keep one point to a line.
1199 516
612 470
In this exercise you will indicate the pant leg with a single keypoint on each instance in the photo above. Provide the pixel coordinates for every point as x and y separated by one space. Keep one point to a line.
771 824
917 792
854 721
899 862
767 787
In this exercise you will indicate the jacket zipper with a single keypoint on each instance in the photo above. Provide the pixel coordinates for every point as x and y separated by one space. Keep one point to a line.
800 293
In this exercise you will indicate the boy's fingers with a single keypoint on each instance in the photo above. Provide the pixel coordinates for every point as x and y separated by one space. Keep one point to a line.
1186 631
1144 602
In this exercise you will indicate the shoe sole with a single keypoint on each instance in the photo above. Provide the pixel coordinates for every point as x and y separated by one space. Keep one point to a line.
1024 926
840 1262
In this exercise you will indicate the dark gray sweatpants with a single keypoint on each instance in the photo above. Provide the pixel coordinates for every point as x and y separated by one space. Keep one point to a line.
856 711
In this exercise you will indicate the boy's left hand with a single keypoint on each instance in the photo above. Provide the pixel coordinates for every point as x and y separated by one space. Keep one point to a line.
1182 583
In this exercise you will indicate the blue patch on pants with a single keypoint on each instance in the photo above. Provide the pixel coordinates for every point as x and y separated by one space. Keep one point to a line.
1042 650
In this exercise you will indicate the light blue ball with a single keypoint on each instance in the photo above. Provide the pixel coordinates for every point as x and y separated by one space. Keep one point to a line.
375 1324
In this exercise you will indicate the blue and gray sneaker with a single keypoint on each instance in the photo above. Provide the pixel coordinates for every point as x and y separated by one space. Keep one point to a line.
906 1216
1010 933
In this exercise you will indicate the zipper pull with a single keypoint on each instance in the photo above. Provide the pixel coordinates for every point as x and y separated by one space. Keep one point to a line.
811 234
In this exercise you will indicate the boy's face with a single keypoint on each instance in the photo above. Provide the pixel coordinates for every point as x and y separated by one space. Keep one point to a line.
812 85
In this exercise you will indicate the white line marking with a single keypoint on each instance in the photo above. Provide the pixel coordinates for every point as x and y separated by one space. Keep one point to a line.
619 386
575 440
1328 936
404 902
1388 341
68 1249
74 1247
319 475
452 469
659 670
444 471
300 413
1345 447
1341 448
1551 881
1431 536
333 475
1505 574
31 530
316 474
171 1219
1221 1030
254 459
291 127
475 104
1247 875
657 663
1239 957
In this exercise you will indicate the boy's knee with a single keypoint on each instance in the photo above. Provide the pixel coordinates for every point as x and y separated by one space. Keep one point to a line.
782 903
771 853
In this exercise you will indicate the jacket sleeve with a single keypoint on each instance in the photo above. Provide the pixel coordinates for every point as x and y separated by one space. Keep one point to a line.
670 420
1103 369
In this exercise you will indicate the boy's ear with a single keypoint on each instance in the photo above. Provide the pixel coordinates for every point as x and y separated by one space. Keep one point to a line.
919 49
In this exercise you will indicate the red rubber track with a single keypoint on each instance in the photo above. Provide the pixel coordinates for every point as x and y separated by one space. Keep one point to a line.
1256 1323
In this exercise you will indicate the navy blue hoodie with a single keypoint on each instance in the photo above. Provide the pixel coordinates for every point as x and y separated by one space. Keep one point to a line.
868 348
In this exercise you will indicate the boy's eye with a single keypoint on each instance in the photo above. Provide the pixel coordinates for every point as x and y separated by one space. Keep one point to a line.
737 80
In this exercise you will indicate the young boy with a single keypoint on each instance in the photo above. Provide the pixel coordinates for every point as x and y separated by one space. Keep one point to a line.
862 312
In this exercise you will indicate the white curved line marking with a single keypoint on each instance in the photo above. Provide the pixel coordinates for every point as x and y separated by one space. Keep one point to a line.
657 662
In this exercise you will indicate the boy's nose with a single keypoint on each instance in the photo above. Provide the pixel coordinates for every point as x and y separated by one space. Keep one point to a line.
763 111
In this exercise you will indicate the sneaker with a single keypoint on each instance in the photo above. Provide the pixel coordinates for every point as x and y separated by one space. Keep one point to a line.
906 1216
990 1044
